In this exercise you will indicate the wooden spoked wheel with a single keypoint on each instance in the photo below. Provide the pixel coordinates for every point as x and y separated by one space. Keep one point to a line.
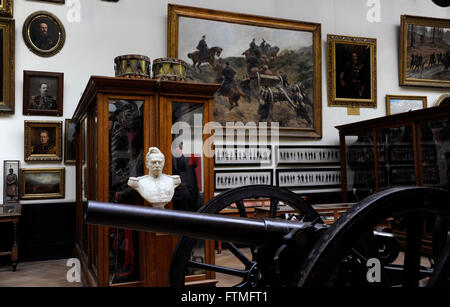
254 272
339 253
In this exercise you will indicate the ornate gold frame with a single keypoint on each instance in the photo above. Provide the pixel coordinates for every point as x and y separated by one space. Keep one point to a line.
29 125
7 8
176 11
8 102
403 97
333 100
27 38
405 21
62 177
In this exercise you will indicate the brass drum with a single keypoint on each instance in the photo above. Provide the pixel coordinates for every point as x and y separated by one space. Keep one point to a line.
169 69
132 66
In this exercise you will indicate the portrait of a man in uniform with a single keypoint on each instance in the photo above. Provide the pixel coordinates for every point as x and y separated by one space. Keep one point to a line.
44 145
44 100
44 33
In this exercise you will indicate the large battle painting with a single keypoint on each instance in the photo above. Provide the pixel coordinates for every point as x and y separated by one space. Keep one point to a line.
268 74
425 51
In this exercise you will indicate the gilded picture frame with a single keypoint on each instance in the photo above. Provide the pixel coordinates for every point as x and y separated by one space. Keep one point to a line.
351 71
42 183
43 93
44 33
43 141
402 103
7 73
7 8
268 55
424 56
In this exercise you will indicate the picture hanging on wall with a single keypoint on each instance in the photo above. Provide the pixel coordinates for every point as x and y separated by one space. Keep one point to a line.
352 71
269 68
44 33
7 78
242 155
309 178
424 51
43 141
308 155
11 179
42 183
43 93
399 103
229 179
6 8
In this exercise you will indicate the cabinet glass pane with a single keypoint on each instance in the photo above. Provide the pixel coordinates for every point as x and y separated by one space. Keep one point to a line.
399 167
435 142
126 159
360 165
84 185
187 162
187 157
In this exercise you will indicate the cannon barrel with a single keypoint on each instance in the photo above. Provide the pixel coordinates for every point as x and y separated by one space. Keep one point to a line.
192 224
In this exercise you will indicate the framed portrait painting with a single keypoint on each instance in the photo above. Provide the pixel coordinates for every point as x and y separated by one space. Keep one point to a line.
424 51
352 71
43 141
269 68
11 169
44 33
398 103
43 93
42 183
7 102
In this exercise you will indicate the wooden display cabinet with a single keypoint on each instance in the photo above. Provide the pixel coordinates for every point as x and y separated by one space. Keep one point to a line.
117 120
411 148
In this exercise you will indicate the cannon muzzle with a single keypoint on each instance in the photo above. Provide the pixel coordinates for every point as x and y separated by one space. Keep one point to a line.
192 224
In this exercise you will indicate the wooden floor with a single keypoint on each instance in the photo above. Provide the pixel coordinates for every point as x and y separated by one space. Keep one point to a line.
51 273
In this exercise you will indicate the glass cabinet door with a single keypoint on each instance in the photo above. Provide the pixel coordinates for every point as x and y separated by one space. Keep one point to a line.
399 167
188 163
126 159
361 180
435 153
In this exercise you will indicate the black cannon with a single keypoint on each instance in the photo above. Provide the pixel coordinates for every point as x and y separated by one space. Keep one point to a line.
305 252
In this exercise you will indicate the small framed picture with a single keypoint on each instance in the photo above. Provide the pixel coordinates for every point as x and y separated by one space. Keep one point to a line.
44 33
308 155
11 170
43 141
42 183
43 93
352 71
399 104
242 155
308 178
229 179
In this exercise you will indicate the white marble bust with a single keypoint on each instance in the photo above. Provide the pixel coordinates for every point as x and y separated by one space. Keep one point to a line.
157 188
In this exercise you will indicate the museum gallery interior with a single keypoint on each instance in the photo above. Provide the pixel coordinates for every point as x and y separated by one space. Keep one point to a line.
229 143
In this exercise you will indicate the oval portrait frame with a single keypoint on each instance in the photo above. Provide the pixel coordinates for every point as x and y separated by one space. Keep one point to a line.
55 30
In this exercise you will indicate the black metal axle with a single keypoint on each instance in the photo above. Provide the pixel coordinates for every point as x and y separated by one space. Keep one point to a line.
196 225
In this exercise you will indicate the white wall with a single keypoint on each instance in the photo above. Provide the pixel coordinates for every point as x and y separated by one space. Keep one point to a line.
109 29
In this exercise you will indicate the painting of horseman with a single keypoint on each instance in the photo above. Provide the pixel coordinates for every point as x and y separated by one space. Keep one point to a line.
244 57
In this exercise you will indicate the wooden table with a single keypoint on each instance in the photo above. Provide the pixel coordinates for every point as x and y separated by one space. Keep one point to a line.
11 214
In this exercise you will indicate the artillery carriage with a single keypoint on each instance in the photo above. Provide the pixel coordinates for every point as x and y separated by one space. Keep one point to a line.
305 252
